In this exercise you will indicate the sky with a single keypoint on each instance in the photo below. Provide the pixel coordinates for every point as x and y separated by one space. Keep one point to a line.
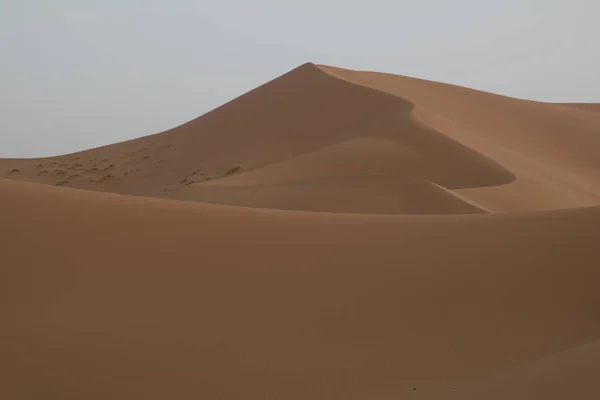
76 74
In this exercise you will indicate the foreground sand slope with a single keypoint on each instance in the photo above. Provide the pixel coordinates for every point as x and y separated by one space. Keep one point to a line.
317 122
121 297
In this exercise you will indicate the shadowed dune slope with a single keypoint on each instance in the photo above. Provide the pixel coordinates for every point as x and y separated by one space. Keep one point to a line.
112 296
298 113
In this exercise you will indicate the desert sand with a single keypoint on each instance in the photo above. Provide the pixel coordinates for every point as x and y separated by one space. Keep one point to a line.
332 234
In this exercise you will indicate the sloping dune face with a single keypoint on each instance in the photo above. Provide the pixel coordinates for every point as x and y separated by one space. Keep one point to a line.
332 234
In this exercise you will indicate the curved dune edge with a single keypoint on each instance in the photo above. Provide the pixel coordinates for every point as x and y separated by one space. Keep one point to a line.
424 197
360 193
422 154
119 296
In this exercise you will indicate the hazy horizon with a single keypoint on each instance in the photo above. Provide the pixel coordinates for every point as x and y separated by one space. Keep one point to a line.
76 76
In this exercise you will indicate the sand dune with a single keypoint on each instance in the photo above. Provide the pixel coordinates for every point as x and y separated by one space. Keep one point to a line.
332 234
336 121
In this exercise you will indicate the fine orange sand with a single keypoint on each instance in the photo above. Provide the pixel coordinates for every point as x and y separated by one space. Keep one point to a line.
332 234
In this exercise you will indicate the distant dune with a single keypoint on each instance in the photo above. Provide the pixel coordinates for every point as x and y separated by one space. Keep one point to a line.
332 234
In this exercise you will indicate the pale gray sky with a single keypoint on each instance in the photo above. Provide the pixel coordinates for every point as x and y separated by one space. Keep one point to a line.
79 73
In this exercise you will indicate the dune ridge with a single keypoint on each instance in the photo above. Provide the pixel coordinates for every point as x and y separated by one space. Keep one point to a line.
332 234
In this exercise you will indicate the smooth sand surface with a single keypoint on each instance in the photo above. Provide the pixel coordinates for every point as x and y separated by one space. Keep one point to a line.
332 234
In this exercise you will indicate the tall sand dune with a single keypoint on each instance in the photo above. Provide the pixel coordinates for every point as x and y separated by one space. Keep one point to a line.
317 122
332 234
